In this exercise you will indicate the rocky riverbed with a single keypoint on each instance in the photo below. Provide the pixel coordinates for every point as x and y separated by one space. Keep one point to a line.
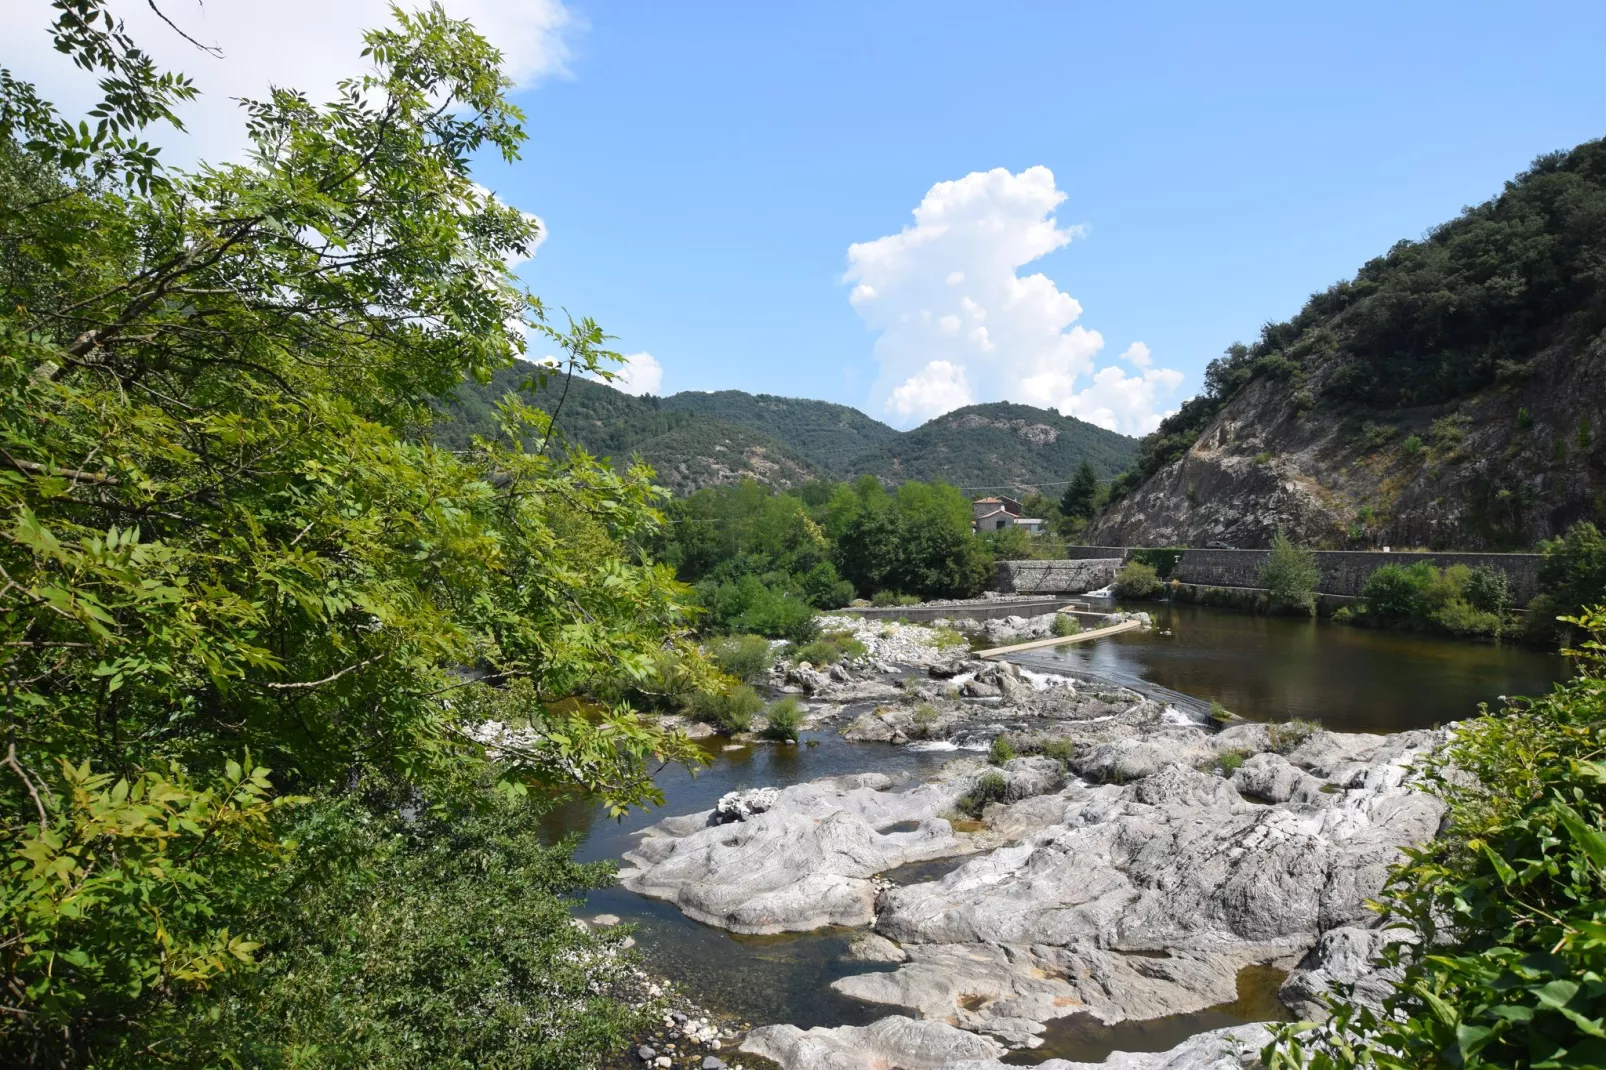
1127 864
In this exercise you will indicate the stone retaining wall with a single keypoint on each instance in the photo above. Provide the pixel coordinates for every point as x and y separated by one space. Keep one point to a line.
1056 577
1345 572
979 610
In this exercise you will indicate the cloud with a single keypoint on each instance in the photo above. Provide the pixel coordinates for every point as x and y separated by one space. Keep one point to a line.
938 388
958 324
1129 404
641 374
301 44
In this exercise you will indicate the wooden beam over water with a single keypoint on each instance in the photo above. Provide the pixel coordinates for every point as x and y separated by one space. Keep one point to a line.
1079 637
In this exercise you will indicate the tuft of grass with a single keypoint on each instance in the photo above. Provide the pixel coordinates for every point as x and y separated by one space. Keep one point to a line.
1230 760
948 637
1286 736
1219 713
783 719
990 788
1059 749
829 649
925 719
1066 625
1001 751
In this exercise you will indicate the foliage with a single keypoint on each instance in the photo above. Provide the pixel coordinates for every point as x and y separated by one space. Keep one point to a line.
782 719
1571 576
730 711
925 720
1422 597
1290 577
917 540
453 946
1081 499
888 599
1230 760
1163 559
746 657
1284 736
748 604
1008 544
1001 751
1137 579
1500 921
829 649
223 550
990 787
1065 625
1219 713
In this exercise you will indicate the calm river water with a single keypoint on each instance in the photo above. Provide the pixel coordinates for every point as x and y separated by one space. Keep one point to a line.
1261 668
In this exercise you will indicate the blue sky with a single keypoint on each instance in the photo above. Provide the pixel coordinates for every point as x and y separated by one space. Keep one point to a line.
1176 173
704 169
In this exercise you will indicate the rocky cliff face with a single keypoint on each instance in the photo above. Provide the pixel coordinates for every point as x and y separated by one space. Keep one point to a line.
1499 470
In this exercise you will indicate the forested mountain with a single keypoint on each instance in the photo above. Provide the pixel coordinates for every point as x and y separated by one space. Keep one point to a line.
1451 394
697 440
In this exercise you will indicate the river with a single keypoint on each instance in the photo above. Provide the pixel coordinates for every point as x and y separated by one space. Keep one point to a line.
1262 668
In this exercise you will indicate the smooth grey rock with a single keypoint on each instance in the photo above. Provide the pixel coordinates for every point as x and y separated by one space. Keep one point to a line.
805 862
605 921
892 1041
873 947
1272 777
646 1054
1343 955
711 1063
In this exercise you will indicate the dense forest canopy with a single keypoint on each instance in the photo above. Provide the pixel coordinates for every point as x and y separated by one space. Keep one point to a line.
1433 320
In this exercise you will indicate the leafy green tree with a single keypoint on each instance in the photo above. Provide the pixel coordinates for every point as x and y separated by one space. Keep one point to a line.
1080 501
1571 576
1290 577
232 584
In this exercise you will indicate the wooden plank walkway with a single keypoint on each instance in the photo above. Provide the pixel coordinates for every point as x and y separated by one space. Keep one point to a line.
1079 637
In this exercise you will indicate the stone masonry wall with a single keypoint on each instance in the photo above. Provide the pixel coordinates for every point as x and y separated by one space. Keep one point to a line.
1056 577
1345 571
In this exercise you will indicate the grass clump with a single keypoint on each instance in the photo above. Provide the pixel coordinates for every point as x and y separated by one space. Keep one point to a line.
1065 625
925 719
729 711
782 720
1289 734
1137 579
885 599
746 657
946 638
829 649
1001 751
1229 760
989 788
1219 713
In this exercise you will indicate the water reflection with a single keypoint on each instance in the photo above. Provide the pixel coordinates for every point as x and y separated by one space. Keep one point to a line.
1274 668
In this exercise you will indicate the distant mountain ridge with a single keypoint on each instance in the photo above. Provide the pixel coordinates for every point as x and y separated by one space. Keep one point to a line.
697 439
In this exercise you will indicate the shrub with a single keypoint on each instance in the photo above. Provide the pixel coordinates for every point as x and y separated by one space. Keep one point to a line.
1344 615
749 605
1137 580
1488 589
783 719
925 719
1413 446
1059 749
1289 734
829 649
1001 751
1065 624
1421 596
1502 913
1392 593
1459 617
1572 576
884 599
1375 436
945 638
1290 578
989 788
1230 760
746 657
729 711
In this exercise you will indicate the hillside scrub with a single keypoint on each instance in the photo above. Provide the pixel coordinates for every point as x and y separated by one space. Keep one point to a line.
1453 601
1290 577
746 657
1434 320
1137 579
241 591
1500 922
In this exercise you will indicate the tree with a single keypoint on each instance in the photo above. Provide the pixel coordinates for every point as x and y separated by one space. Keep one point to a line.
1572 576
1080 501
1290 577
234 583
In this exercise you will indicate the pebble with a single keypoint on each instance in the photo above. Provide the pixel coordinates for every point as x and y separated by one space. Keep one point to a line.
605 921
646 1054
711 1063
664 1061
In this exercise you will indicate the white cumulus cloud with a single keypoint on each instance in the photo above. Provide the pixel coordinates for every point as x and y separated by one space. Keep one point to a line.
298 44
641 374
958 324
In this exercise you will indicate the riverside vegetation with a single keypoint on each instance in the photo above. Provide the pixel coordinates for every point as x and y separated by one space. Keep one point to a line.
285 684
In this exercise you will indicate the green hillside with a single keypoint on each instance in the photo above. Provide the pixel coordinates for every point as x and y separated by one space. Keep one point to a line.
831 436
998 445
697 439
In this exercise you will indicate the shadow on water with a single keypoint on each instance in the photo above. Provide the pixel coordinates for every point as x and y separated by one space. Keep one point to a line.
1274 668
1083 1038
